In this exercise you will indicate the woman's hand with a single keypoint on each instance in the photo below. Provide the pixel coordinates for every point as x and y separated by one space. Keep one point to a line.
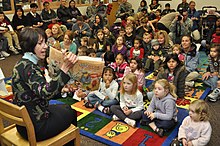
69 60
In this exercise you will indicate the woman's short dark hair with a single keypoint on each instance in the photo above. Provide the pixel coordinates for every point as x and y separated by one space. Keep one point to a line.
29 38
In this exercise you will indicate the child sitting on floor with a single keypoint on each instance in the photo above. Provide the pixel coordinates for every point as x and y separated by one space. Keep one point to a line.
161 114
195 129
107 93
155 57
119 65
137 50
135 66
211 76
131 101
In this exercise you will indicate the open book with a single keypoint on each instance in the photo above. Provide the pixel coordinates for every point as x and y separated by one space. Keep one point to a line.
87 70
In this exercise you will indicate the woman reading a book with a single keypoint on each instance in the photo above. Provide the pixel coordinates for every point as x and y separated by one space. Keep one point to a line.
31 89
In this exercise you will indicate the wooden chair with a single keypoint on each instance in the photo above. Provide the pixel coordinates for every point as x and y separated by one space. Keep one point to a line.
19 115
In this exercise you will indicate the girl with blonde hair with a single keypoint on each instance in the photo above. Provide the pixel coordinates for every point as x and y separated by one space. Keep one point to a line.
195 128
161 114
57 32
131 101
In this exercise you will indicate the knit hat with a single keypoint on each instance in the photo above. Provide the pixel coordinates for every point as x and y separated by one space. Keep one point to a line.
154 42
118 20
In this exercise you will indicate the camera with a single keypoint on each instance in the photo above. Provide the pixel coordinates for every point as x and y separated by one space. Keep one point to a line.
179 17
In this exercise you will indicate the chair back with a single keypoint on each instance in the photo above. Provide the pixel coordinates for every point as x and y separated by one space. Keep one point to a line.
16 115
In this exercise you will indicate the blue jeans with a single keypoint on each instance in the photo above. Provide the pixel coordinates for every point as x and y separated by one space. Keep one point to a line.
212 82
92 98
164 124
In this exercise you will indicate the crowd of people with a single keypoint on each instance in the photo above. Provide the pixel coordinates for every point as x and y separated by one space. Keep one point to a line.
149 40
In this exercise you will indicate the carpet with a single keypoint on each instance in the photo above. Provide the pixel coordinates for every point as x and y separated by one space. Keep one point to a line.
100 127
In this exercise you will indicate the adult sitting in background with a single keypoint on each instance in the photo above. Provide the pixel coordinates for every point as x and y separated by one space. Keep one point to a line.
80 29
96 25
48 15
195 17
67 45
57 33
31 89
182 6
167 10
19 20
102 11
124 10
191 60
143 5
152 9
34 19
180 26
91 11
8 32
74 10
64 14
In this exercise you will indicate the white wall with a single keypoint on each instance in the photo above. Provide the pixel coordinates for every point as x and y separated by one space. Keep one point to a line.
174 3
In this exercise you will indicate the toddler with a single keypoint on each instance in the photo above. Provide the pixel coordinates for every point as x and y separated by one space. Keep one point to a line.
176 49
195 129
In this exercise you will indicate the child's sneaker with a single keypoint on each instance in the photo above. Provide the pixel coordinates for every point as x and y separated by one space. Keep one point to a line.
115 118
214 96
5 54
13 50
1 57
190 83
130 122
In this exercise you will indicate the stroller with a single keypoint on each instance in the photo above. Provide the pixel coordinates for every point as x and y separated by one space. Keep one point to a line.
208 20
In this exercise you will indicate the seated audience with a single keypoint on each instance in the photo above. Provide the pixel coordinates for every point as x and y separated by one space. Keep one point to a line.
64 14
8 32
101 44
48 15
143 5
74 10
124 10
80 29
183 6
57 32
67 45
34 19
19 20
167 10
